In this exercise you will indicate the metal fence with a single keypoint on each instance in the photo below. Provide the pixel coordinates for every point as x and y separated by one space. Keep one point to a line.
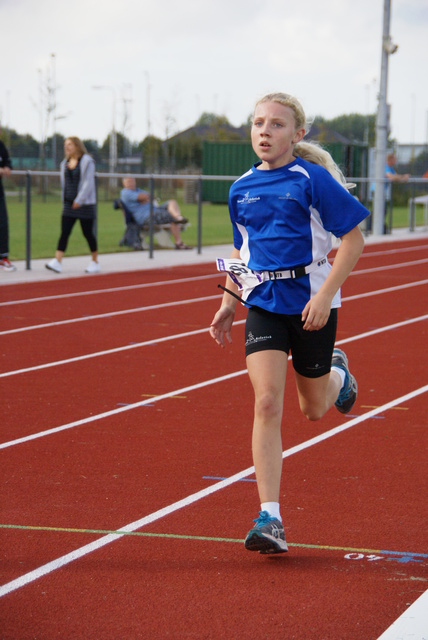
193 187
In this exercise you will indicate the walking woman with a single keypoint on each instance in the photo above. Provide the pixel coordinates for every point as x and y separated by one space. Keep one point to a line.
5 169
284 211
79 202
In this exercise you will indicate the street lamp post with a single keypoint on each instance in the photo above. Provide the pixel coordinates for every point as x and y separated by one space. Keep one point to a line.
388 48
54 149
53 108
148 102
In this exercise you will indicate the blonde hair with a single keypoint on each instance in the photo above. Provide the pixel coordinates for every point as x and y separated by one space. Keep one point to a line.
81 149
314 152
309 151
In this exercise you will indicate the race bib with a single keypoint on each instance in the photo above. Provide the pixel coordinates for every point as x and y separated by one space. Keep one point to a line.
244 278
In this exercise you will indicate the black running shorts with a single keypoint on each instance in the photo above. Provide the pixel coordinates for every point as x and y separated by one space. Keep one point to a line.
311 350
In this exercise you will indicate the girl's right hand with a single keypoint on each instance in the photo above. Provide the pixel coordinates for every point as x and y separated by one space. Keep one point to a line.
222 325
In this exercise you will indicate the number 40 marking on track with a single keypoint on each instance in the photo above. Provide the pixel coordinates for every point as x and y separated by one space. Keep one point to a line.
363 556
403 558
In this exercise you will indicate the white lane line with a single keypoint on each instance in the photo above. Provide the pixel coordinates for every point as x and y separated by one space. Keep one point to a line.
133 287
112 314
412 624
390 327
185 502
177 392
388 267
371 254
129 407
107 352
161 283
187 334
401 287
109 314
357 420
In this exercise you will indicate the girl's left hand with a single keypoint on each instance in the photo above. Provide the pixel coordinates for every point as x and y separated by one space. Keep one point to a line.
316 313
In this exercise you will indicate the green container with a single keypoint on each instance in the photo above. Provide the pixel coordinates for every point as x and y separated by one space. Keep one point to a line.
351 158
235 158
224 159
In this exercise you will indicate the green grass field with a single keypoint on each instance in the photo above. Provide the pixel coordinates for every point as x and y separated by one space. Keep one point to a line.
46 219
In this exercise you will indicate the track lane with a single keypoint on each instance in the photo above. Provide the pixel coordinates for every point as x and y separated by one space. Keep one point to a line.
117 573
133 378
144 427
202 278
305 560
21 350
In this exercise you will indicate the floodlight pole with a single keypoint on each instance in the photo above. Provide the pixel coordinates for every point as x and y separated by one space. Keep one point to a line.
53 106
148 102
388 48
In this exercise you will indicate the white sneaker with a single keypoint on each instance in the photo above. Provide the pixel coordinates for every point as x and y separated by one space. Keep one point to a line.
6 265
54 265
93 267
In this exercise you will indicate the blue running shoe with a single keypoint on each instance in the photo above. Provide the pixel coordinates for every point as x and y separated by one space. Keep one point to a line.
267 536
348 393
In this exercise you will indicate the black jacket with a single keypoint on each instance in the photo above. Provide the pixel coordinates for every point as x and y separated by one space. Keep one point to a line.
5 161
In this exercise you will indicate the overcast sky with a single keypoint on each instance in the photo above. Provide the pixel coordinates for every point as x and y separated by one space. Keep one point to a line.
168 61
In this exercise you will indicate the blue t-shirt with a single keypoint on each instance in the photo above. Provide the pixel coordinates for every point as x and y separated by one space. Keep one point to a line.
140 210
283 219
389 171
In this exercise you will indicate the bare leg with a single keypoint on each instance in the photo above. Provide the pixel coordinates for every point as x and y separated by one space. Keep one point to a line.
175 232
267 371
174 209
59 255
317 395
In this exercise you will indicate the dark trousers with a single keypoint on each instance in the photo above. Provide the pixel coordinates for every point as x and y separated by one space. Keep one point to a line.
67 224
4 229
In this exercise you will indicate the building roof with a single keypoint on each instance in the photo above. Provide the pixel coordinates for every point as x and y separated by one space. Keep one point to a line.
229 133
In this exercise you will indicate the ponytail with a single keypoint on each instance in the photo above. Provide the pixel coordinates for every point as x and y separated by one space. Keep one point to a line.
313 152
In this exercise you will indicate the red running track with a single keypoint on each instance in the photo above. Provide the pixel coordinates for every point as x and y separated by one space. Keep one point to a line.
120 414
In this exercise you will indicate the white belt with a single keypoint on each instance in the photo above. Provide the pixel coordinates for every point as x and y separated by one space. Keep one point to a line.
246 279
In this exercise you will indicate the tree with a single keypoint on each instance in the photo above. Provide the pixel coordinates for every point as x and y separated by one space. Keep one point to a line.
22 146
212 120
54 149
185 153
93 149
152 154
354 126
418 166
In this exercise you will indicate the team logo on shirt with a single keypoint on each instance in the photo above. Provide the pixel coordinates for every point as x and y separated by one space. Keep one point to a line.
288 196
247 200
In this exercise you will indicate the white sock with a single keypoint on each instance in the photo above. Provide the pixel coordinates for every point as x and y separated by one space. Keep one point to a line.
272 508
341 373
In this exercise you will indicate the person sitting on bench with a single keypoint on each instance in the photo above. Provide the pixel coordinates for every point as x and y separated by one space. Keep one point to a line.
137 202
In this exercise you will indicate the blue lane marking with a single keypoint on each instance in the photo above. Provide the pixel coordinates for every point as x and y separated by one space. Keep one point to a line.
405 553
404 557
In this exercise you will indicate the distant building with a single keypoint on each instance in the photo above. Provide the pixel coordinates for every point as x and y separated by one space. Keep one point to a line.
407 152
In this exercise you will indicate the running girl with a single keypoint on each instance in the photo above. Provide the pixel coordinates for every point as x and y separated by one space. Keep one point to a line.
284 211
